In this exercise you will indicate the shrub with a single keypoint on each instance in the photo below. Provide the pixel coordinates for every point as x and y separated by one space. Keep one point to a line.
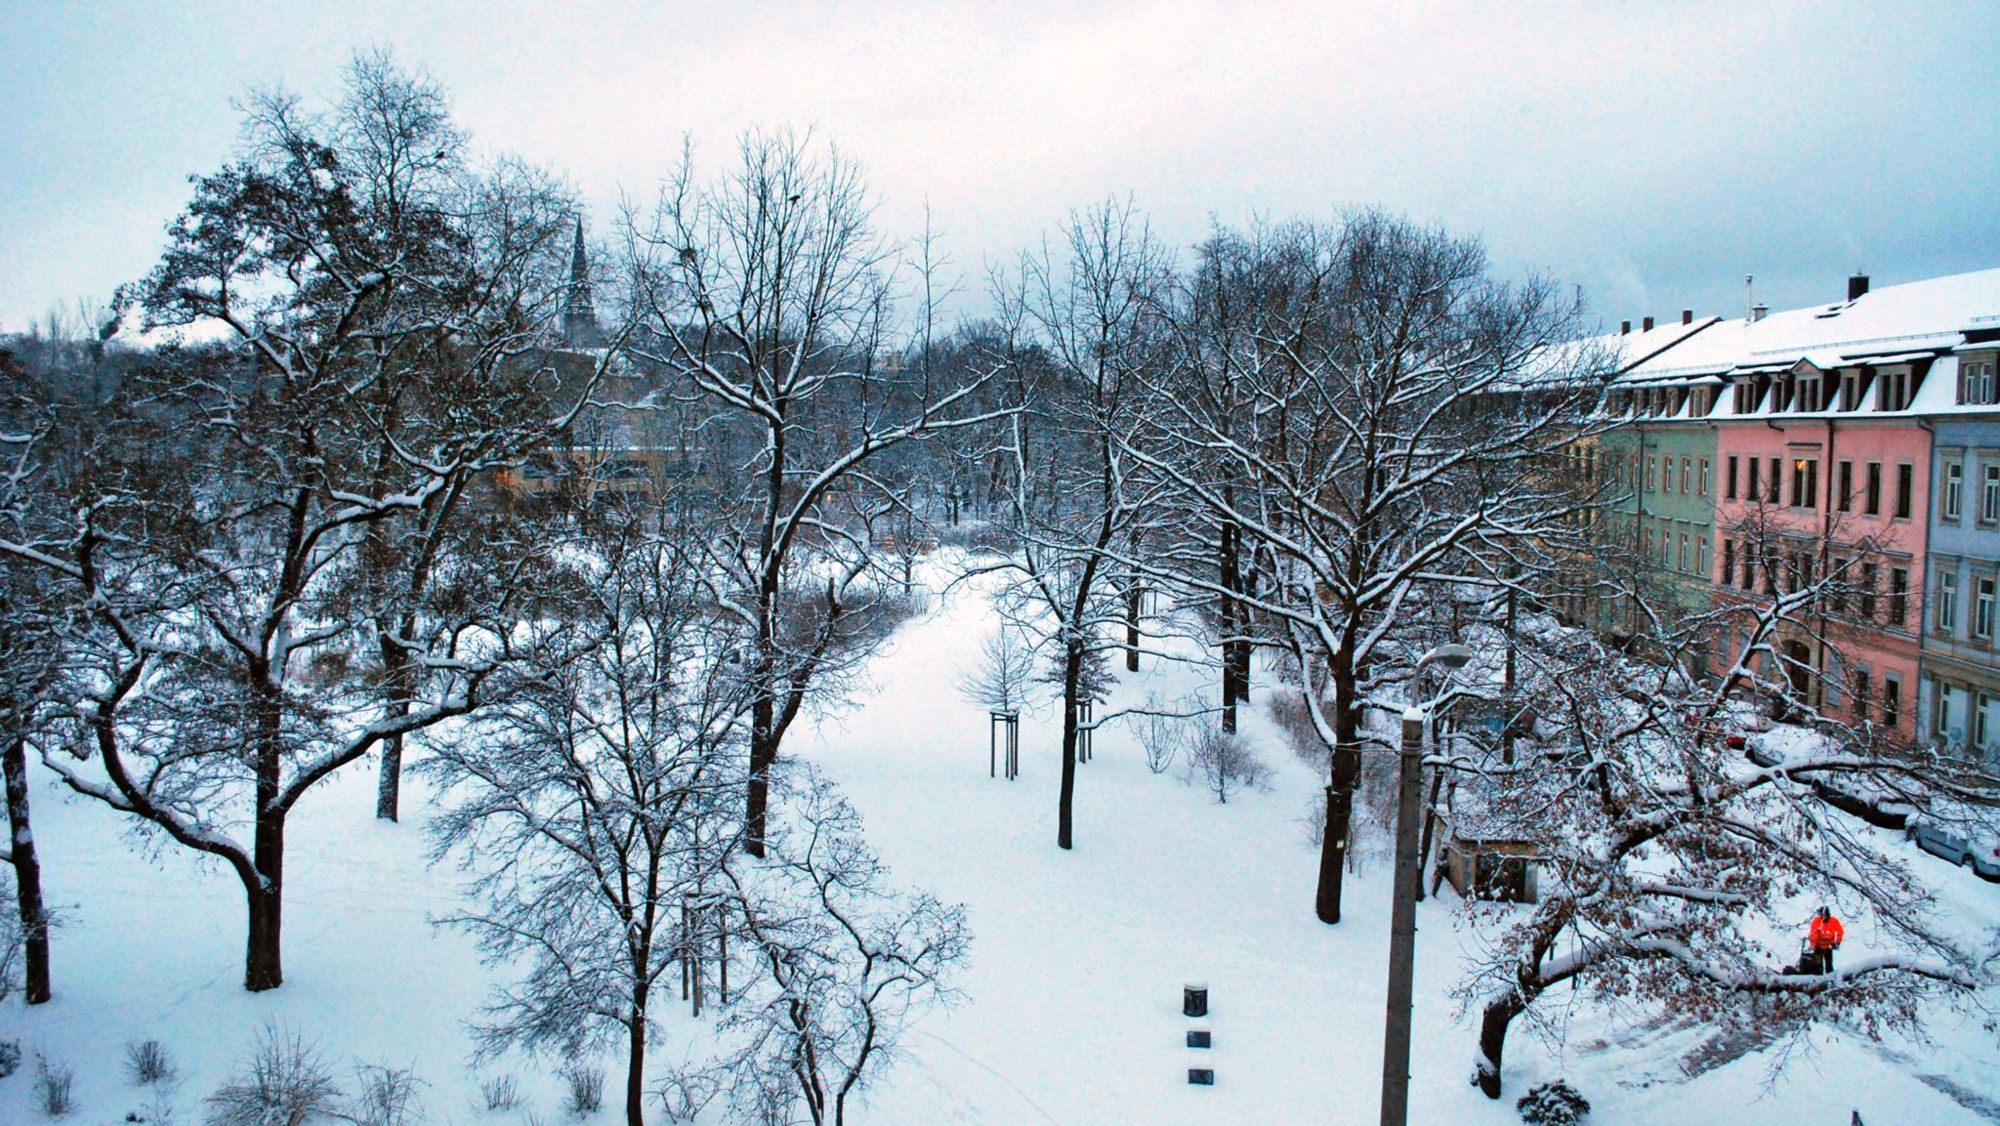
284 1080
54 1088
148 1062
10 1057
1553 1104
387 1097
500 1092
586 1088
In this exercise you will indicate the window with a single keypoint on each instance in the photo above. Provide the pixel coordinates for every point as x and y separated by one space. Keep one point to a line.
1701 556
1853 384
1976 382
1906 477
1871 577
1809 393
1892 700
1649 474
1729 479
1982 735
1871 501
1684 551
1899 595
1686 469
1982 609
1843 495
1750 566
1895 390
1954 490
1940 708
1771 486
1728 562
1861 694
1947 601
1666 473
1837 597
1989 493
1756 490
1805 483
1649 541
1701 481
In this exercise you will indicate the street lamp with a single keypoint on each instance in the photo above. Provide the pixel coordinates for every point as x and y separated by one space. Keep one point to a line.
1403 913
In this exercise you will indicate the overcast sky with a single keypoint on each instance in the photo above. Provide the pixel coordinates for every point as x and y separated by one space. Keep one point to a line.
1653 154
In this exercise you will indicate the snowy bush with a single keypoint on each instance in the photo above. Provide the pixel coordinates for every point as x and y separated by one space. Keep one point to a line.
1168 730
54 1088
1223 764
148 1062
10 1057
387 1096
500 1092
586 1088
285 1080
1553 1104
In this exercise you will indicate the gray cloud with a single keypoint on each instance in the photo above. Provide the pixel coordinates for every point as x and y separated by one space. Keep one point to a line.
1653 154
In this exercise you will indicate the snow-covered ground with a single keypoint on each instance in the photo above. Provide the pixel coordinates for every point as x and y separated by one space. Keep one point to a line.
1071 1008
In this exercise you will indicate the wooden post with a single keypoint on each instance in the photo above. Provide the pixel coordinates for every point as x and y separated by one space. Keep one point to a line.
722 947
1083 731
684 949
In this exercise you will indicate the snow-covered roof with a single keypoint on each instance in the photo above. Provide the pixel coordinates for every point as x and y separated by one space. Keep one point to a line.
1915 318
1604 356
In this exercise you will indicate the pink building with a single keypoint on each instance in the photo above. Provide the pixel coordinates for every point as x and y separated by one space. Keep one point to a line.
1823 466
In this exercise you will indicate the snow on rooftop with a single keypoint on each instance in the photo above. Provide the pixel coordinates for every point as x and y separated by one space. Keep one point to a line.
1606 355
1920 316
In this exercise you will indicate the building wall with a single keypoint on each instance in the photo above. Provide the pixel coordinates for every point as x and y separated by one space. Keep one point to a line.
1868 666
1960 697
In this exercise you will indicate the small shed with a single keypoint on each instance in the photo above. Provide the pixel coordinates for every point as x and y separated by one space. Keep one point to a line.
1497 868
1488 854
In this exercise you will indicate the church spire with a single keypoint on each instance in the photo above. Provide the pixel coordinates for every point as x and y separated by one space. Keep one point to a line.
579 318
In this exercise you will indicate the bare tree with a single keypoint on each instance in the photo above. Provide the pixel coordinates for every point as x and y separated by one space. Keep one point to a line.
599 794
1391 449
1667 861
231 542
999 682
765 296
1068 499
847 964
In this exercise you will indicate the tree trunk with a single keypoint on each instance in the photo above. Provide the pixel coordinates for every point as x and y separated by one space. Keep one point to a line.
1493 1024
1134 593
635 1060
263 967
1228 628
763 720
1346 772
1072 679
27 872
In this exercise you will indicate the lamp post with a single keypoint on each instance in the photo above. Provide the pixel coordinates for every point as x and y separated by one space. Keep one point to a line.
1403 913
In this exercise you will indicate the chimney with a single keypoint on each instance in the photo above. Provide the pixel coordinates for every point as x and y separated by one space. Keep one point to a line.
1624 328
1857 286
1646 325
1687 316
1757 312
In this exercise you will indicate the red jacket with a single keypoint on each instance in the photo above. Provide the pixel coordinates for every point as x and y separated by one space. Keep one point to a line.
1826 933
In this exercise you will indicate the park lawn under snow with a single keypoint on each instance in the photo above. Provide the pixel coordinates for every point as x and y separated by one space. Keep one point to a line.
1071 1002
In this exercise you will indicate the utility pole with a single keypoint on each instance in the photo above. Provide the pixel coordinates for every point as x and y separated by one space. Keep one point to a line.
1403 910
1403 924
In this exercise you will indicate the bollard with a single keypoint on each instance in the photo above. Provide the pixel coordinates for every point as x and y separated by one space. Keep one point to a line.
1194 999
1198 1038
1201 1077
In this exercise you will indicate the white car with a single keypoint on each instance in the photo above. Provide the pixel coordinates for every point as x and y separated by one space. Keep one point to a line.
1976 850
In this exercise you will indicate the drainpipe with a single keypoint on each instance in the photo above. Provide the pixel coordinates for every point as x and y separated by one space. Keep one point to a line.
1923 600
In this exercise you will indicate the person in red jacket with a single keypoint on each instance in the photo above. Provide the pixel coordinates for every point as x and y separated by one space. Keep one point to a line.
1825 936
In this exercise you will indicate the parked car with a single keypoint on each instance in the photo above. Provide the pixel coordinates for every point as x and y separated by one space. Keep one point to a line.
1975 850
1866 800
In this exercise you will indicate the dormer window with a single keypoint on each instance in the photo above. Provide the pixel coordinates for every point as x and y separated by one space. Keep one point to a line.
1853 385
1809 393
1895 390
1781 394
1976 382
1746 396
